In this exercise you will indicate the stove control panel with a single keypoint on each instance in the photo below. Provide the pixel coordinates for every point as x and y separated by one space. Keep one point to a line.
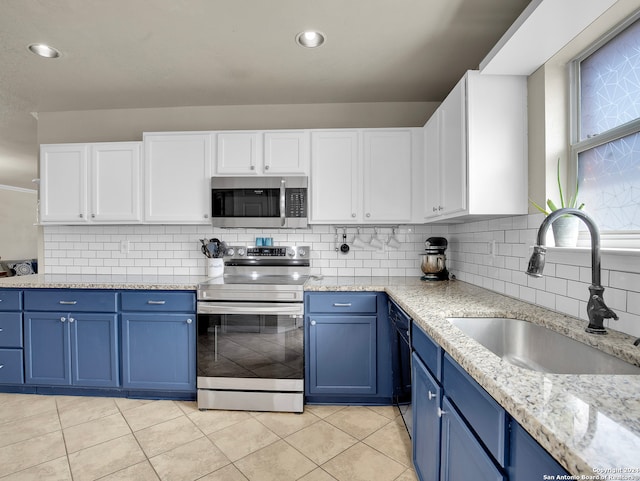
267 252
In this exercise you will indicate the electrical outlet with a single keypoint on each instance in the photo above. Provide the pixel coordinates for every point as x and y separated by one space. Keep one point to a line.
124 247
492 248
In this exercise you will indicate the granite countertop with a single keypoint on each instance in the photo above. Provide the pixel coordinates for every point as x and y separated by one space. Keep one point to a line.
589 423
70 281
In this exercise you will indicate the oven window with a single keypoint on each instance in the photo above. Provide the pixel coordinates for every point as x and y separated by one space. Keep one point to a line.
250 346
245 202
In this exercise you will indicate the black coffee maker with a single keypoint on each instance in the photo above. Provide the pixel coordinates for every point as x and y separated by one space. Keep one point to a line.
433 261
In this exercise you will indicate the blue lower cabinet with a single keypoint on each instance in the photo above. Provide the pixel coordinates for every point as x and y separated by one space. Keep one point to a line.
11 366
426 404
342 350
529 461
462 458
158 351
79 349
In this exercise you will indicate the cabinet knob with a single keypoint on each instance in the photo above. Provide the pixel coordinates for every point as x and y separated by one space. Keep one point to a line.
435 209
206 216
252 167
81 215
368 214
441 412
266 167
63 319
189 321
1 366
353 215
440 207
71 319
93 216
313 323
431 395
1 329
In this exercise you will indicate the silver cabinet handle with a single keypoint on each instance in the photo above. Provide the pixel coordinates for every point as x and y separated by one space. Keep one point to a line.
157 303
368 214
68 303
62 319
441 412
341 304
440 207
1 366
189 321
431 395
71 319
435 209
81 215
1 329
313 323
353 214
93 216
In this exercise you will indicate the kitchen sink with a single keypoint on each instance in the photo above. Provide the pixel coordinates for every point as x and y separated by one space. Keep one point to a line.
538 348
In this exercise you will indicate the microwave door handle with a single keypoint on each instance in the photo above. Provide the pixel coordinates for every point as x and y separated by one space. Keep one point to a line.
283 192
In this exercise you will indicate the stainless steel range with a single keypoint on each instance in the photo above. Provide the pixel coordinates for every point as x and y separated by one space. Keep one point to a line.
250 353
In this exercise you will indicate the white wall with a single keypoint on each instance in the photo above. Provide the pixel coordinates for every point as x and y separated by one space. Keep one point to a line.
18 234
166 250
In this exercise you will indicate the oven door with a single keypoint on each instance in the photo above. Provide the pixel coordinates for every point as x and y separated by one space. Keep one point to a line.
250 345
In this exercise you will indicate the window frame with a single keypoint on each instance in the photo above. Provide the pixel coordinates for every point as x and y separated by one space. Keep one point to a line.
610 239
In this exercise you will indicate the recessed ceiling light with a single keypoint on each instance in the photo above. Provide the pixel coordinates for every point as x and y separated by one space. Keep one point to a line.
310 39
44 50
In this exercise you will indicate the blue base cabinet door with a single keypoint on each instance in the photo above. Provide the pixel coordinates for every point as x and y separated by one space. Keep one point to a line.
47 348
462 457
94 350
342 351
77 349
529 461
158 352
426 403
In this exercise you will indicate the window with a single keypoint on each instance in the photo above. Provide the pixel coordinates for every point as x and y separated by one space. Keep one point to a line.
606 146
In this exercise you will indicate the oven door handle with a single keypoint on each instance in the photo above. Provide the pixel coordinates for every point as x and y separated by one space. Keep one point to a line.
295 309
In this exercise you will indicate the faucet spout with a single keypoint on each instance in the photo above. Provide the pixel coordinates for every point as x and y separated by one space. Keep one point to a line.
597 310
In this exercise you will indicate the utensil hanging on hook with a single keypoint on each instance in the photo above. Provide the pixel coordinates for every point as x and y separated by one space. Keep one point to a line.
344 248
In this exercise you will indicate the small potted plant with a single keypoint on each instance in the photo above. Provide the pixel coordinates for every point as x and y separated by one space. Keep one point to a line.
565 228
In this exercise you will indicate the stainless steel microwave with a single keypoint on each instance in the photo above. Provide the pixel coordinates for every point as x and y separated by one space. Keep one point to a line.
278 202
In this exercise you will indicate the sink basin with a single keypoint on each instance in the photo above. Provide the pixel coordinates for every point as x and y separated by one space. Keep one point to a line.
535 347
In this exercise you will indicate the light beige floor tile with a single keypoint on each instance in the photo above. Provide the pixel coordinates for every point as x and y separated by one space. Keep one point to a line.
138 472
243 438
211 421
284 424
27 428
318 474
392 440
321 441
276 462
65 402
152 413
56 470
126 403
85 435
358 421
189 461
362 463
322 410
19 407
86 410
105 458
187 407
390 412
408 475
165 436
34 451
228 473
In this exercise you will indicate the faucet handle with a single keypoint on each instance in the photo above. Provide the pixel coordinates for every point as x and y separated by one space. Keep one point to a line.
598 311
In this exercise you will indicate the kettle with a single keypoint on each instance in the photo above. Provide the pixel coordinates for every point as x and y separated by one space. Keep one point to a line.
433 261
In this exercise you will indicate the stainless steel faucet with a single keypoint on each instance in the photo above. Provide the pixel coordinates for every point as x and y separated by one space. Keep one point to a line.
597 310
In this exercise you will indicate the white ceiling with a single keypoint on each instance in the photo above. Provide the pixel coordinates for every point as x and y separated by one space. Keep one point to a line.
165 53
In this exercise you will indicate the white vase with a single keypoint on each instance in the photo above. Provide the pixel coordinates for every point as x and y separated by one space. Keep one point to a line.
215 267
565 231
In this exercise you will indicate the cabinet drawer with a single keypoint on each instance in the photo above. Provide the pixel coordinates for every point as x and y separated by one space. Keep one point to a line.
485 416
10 329
11 367
70 300
159 301
347 302
10 300
428 350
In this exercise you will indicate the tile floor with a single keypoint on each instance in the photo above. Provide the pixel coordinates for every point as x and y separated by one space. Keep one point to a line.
47 438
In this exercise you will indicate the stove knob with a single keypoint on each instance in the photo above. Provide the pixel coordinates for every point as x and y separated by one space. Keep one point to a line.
230 251
302 252
240 251
291 252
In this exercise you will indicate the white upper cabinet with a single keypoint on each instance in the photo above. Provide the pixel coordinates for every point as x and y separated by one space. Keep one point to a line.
364 176
476 150
276 152
98 183
177 177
